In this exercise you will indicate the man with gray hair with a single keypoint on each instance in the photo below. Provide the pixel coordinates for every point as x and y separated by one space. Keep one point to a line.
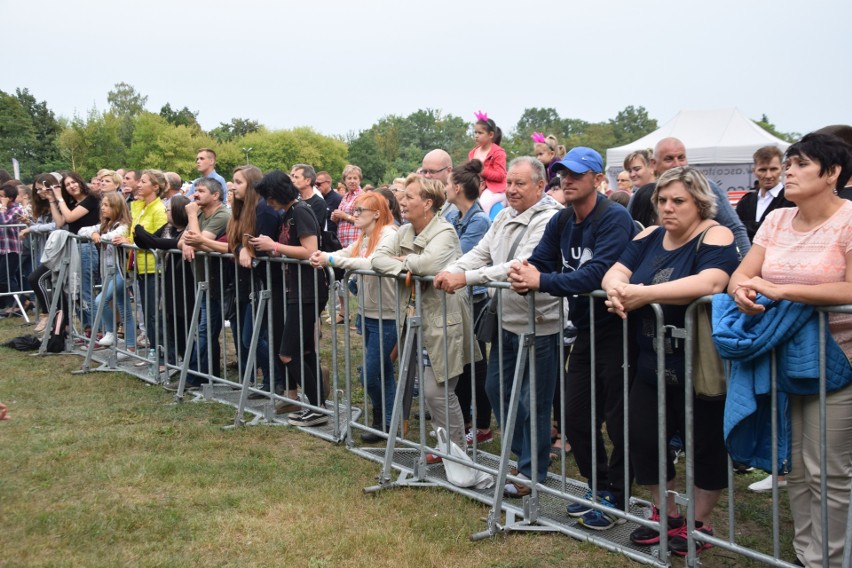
304 178
513 235
173 185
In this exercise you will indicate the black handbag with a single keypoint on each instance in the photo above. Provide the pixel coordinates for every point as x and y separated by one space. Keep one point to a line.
486 327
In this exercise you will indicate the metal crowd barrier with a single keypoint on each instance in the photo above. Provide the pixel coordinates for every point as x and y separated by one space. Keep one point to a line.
405 451
15 267
185 308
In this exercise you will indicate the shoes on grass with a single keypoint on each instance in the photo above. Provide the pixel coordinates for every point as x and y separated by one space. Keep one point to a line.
765 484
482 436
679 544
308 417
646 536
601 520
108 340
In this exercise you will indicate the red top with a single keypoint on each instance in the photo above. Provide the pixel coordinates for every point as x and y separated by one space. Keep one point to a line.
493 168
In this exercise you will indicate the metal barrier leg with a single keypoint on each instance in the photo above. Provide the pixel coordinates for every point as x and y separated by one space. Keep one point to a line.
249 371
56 293
200 296
412 324
90 348
530 502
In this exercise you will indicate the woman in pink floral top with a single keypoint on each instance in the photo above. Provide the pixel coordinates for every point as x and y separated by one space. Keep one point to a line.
804 254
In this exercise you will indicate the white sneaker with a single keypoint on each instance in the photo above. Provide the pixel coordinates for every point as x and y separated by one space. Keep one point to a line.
765 485
108 340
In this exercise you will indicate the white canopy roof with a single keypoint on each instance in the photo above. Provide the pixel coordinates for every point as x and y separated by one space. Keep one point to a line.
721 136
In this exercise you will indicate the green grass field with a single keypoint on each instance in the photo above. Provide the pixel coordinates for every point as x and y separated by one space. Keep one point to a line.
104 470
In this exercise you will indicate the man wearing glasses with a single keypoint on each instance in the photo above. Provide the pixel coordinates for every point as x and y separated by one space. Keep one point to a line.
438 165
332 198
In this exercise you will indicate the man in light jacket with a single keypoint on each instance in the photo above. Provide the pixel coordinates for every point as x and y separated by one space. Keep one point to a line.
489 261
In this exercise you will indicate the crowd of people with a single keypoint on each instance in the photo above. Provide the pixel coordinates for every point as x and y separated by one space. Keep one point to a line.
545 224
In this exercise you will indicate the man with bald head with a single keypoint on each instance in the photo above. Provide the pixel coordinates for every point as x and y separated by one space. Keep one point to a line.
438 165
671 153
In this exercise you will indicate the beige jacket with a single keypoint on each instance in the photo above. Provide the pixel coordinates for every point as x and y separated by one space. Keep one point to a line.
370 287
427 254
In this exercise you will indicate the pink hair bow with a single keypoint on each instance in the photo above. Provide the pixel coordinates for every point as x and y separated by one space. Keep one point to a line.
538 137
483 116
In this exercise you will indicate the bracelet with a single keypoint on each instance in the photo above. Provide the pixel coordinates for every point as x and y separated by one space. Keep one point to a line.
276 249
331 261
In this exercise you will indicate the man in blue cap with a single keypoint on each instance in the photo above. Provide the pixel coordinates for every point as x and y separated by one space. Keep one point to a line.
577 248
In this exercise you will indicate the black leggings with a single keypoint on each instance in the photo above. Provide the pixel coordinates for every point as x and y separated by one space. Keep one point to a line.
38 280
302 369
711 458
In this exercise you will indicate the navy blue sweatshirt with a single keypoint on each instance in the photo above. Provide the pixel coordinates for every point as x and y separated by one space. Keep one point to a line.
576 261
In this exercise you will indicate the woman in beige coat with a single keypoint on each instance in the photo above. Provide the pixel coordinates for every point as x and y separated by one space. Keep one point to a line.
423 247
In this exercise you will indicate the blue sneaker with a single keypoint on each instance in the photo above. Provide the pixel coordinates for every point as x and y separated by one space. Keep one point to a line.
600 520
579 509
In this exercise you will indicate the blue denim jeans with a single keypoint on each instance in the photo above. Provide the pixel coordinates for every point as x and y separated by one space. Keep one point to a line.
209 325
377 357
88 266
546 354
261 355
151 310
114 288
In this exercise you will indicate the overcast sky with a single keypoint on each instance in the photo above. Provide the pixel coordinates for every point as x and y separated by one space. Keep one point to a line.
339 66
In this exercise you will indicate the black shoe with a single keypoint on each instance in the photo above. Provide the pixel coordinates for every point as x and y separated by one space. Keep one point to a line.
646 536
308 417
680 545
254 395
369 437
188 387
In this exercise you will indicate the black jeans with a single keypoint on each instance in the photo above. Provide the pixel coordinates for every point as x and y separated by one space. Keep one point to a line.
609 407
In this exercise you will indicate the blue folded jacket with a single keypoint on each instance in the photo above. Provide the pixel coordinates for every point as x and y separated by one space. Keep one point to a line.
792 330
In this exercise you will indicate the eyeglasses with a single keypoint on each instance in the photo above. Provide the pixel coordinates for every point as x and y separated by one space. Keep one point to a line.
358 210
323 182
426 172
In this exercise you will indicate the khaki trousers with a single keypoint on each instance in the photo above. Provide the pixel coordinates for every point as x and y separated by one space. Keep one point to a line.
803 482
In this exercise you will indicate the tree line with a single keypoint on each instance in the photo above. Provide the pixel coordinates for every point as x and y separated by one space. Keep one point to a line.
129 135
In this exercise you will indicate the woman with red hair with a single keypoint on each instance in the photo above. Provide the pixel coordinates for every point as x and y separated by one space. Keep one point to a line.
374 219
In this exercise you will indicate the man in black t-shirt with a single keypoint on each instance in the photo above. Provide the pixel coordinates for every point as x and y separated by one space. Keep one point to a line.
304 177
332 198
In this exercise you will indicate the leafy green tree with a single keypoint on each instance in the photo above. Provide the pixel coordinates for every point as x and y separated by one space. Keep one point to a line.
283 148
95 143
364 152
544 120
157 143
631 124
237 128
395 145
126 104
182 117
45 153
765 124
17 134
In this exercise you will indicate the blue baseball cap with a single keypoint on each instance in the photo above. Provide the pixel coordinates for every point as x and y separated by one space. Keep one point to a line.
580 160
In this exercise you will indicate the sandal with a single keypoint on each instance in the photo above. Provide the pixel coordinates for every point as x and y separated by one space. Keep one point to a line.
517 491
559 447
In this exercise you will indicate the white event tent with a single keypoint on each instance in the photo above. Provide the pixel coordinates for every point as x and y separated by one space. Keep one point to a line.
719 142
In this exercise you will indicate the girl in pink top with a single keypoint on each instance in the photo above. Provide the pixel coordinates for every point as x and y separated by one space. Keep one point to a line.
487 150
